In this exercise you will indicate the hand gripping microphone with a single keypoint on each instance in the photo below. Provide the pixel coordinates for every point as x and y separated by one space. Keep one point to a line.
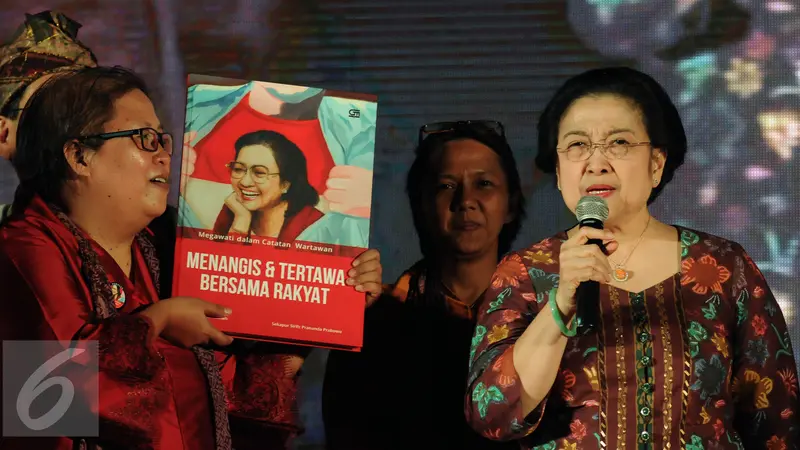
591 212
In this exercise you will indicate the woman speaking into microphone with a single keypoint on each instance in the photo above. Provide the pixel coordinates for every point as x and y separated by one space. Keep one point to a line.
690 349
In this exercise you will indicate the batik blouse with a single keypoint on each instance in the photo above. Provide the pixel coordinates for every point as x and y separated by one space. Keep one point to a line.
701 360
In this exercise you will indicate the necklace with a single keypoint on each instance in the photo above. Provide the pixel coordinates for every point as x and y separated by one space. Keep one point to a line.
620 274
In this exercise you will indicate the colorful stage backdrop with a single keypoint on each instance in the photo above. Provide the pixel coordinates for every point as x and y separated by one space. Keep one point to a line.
731 65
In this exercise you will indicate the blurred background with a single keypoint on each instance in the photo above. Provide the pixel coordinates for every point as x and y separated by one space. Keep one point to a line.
731 66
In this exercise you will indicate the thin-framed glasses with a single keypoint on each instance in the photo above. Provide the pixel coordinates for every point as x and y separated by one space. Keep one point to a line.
581 151
449 127
259 174
147 139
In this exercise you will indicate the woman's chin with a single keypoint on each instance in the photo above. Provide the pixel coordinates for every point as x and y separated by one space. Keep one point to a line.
471 249
155 209
252 205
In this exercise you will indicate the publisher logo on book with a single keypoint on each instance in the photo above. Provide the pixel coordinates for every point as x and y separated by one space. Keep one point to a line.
354 113
50 388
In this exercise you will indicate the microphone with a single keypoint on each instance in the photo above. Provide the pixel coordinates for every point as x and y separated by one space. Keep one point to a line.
591 212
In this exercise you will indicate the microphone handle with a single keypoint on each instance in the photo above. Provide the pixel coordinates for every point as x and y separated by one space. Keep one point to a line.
588 292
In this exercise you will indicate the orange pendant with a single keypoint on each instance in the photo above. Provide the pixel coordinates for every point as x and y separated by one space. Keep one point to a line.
620 274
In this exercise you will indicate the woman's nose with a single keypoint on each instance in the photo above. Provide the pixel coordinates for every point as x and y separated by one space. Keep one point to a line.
162 156
247 179
464 199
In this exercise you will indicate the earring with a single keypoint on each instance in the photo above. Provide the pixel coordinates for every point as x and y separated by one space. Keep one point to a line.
655 181
285 191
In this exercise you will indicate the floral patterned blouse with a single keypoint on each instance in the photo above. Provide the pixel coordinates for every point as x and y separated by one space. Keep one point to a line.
701 360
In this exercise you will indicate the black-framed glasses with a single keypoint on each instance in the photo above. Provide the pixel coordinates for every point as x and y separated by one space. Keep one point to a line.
581 151
147 139
492 126
259 174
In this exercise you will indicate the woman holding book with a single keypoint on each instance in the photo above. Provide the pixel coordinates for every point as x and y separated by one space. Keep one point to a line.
405 389
690 349
44 44
77 264
271 194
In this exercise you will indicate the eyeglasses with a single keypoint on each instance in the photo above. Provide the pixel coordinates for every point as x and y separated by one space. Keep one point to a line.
492 126
259 174
146 139
581 151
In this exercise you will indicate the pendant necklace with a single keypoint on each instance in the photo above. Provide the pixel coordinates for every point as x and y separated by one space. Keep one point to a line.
620 274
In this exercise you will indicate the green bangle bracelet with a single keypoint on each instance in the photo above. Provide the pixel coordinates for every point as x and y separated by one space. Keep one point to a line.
557 317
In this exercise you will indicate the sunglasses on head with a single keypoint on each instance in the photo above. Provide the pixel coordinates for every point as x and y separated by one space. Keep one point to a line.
491 126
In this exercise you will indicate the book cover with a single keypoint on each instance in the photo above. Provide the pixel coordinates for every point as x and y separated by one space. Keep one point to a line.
275 195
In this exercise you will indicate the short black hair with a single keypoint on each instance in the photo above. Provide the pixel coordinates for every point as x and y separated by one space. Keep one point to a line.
291 163
421 176
660 117
67 106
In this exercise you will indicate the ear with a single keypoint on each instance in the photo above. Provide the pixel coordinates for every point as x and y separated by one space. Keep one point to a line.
6 147
558 179
5 129
285 185
511 214
510 218
77 158
657 162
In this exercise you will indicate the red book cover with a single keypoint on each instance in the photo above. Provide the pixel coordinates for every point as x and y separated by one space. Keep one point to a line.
275 201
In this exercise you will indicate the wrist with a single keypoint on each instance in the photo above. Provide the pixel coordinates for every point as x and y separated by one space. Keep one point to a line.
566 306
157 320
563 321
567 309
240 226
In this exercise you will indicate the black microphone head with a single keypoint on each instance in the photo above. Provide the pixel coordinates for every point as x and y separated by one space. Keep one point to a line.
592 207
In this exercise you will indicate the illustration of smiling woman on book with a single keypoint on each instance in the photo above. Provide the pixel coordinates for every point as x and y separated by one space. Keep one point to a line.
271 194
247 142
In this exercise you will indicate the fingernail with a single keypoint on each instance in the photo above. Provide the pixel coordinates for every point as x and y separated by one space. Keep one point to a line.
360 288
356 262
228 311
349 281
351 272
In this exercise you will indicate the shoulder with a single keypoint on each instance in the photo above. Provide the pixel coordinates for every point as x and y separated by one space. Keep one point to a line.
34 238
400 289
542 255
696 244
35 229
719 263
311 213
297 223
532 270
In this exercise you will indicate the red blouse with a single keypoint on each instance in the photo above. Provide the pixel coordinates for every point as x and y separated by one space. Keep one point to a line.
152 393
292 226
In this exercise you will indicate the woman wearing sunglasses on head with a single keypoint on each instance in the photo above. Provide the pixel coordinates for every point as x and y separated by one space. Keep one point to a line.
405 389
77 264
271 193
